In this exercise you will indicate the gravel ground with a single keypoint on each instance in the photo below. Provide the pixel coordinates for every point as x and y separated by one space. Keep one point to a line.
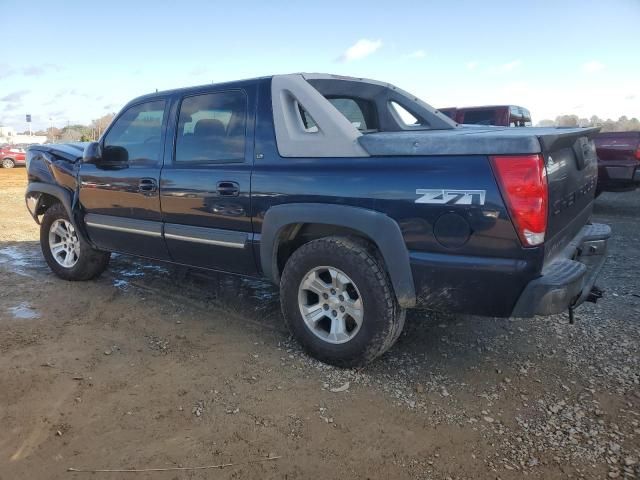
155 366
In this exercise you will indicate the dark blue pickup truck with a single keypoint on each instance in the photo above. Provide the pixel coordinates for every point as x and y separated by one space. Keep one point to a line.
358 199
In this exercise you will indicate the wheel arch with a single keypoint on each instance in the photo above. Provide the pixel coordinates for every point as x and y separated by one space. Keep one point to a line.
41 196
283 221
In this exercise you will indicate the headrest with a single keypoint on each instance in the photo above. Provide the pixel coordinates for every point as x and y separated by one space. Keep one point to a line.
209 127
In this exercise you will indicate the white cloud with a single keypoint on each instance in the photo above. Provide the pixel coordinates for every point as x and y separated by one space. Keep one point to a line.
361 49
508 67
417 54
592 66
473 65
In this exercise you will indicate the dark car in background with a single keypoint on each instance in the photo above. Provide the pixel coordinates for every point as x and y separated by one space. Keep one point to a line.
500 115
12 155
618 161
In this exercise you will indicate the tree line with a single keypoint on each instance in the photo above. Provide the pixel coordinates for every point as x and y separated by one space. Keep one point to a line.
92 132
623 124
77 132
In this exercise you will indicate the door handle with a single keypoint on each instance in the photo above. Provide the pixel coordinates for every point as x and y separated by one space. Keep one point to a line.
228 189
147 185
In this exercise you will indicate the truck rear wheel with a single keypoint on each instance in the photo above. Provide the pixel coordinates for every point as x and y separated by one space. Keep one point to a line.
66 253
338 302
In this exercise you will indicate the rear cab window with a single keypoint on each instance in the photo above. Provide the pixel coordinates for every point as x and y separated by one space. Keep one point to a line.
480 117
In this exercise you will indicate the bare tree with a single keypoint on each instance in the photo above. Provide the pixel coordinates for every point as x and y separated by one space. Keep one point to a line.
71 135
567 121
100 124
623 124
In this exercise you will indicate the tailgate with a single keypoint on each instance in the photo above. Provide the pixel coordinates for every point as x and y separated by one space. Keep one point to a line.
572 174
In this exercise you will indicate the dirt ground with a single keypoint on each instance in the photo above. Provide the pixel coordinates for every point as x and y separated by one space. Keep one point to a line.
151 366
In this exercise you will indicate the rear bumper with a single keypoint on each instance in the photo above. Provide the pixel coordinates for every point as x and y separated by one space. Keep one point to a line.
568 280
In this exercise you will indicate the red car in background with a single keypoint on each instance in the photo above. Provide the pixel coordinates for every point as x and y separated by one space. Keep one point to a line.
11 156
499 115
618 161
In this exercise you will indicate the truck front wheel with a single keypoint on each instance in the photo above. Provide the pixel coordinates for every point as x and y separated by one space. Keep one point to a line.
66 253
338 302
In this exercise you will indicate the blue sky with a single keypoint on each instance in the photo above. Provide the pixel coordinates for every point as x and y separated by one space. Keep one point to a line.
73 61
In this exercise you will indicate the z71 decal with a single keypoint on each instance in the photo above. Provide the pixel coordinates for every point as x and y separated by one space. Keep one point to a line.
447 196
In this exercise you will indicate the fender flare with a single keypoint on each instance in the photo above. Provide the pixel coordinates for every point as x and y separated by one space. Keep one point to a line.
56 191
378 227
35 189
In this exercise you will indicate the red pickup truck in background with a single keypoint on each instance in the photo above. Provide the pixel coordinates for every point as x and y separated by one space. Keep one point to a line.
618 161
500 115
618 152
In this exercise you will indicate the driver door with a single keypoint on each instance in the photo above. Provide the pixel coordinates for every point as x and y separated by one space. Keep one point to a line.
120 195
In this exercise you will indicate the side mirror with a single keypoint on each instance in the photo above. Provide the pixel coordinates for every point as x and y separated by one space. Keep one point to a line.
92 153
112 157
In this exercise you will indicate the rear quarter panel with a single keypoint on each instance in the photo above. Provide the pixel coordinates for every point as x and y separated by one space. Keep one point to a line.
449 277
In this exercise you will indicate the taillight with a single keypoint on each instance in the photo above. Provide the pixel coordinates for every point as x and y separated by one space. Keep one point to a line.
638 154
523 182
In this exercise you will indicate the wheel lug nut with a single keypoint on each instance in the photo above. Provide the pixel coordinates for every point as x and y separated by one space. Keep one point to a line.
325 296
342 309
334 313
341 298
333 291
325 306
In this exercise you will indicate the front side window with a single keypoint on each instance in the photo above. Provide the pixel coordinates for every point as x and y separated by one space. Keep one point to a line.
211 128
136 136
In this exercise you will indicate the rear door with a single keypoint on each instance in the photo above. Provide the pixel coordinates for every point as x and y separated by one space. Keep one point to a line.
205 184
121 199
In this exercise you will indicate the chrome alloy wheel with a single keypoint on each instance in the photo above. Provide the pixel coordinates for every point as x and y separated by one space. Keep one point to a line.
64 243
330 304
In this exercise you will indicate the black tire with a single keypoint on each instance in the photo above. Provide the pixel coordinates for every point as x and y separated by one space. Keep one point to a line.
8 163
382 320
90 262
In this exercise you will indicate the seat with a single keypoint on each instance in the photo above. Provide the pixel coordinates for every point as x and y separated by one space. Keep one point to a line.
209 127
204 143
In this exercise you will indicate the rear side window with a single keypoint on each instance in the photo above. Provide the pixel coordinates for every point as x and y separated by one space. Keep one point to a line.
408 118
136 136
361 113
211 128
